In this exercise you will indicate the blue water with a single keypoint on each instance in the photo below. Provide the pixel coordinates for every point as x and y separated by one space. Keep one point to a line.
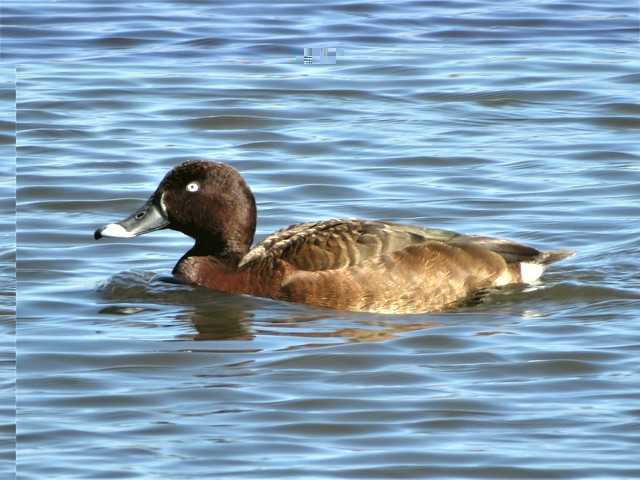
519 120
7 275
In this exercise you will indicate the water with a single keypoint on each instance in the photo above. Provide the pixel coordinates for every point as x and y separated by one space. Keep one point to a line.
517 120
7 275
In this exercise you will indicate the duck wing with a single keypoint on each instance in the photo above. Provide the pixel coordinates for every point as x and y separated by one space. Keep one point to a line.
340 243
335 243
344 242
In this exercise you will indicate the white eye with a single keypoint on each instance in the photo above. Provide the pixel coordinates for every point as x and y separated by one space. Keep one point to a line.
193 187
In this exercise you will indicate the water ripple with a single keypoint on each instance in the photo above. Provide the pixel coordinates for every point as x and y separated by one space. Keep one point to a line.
510 120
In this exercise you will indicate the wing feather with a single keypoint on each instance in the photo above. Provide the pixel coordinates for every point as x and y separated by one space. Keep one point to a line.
340 243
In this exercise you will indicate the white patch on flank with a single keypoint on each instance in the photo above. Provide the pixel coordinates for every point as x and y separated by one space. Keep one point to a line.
504 279
530 272
115 230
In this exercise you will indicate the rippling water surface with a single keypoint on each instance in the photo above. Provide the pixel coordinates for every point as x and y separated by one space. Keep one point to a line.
518 120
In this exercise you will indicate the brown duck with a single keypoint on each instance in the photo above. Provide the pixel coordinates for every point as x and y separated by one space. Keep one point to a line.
346 264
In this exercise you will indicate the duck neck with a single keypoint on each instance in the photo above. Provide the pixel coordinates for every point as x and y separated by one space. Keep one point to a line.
228 254
227 237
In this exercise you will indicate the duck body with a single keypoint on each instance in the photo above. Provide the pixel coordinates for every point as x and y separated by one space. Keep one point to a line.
345 264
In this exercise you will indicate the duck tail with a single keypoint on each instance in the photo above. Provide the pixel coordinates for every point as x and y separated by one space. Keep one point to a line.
553 256
532 269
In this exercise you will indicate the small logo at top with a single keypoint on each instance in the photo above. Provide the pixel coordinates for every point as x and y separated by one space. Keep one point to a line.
319 56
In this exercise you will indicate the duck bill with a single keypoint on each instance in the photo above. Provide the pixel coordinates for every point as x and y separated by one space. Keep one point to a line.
148 218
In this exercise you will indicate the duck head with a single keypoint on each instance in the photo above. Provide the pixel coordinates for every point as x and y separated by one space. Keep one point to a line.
206 200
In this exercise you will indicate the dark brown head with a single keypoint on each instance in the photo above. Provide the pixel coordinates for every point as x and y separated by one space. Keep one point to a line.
208 201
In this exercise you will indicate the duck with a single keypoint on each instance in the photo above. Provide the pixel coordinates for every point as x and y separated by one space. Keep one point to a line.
344 264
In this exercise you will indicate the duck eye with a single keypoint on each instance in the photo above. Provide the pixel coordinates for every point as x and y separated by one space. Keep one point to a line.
193 187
